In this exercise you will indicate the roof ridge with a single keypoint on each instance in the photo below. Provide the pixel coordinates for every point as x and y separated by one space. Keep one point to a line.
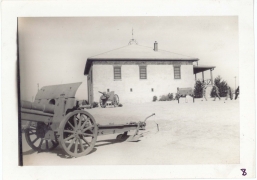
166 51
108 51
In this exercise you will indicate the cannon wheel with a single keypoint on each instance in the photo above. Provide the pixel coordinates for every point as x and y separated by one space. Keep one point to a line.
78 133
35 137
116 100
102 102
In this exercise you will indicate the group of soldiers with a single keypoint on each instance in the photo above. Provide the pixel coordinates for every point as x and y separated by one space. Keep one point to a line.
229 93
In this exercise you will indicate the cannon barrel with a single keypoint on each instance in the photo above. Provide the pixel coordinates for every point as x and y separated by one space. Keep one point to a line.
47 108
26 104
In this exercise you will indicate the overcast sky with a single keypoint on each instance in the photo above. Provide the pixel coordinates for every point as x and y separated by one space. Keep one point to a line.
55 50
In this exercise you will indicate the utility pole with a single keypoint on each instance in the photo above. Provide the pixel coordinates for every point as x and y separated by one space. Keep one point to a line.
37 86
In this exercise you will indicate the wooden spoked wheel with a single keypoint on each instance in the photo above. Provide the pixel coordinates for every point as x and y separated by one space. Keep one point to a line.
78 133
102 102
40 137
116 100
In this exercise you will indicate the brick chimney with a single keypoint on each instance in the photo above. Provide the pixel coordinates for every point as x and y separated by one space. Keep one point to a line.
155 46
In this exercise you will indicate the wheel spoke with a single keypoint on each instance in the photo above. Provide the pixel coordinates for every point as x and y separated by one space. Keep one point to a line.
35 140
40 144
68 131
47 145
86 134
86 141
81 145
71 125
75 121
71 144
76 146
85 122
32 133
68 138
78 116
88 128
83 115
79 122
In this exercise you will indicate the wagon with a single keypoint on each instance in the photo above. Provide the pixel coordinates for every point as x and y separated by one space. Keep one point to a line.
54 118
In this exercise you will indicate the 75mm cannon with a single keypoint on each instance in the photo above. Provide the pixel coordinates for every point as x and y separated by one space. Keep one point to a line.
54 118
108 97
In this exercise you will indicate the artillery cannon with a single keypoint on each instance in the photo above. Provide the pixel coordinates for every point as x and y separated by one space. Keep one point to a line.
183 92
108 97
54 118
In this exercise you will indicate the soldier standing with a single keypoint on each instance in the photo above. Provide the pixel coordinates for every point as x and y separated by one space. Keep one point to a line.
216 92
229 93
204 91
237 92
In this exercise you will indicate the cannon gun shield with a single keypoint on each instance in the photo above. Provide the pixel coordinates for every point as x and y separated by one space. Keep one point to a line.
57 91
108 98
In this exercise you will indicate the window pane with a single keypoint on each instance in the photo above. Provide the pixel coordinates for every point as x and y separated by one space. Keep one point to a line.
117 72
142 72
177 73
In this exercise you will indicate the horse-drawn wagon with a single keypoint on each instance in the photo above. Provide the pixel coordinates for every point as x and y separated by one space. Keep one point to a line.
55 118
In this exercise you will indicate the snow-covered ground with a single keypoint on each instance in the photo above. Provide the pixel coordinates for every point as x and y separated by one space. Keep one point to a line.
204 132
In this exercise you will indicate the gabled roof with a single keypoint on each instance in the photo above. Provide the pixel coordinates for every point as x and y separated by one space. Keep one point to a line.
137 52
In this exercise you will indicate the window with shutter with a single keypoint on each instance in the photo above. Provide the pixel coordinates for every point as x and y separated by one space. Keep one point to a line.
117 72
177 72
142 72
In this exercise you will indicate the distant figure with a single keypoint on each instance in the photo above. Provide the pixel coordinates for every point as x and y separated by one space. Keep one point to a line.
237 92
187 97
204 91
229 93
216 92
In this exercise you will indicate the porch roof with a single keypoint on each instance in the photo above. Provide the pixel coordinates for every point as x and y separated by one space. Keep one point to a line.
198 69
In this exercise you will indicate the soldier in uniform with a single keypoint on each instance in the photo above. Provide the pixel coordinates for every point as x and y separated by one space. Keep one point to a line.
229 93
237 92
204 91
216 92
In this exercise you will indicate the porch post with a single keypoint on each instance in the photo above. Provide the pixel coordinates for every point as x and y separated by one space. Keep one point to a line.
195 77
211 76
203 76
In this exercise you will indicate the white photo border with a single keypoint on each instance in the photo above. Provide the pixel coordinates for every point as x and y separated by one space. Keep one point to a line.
11 10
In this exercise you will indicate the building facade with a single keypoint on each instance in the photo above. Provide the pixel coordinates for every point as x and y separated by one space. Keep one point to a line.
137 73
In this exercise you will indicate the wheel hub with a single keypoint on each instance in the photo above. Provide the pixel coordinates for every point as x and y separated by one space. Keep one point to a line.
78 133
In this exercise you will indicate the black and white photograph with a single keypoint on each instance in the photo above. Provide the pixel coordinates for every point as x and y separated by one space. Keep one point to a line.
88 86
117 90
